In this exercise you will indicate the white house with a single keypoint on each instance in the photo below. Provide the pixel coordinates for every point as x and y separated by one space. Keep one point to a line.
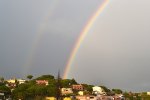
11 81
148 93
81 93
21 81
98 90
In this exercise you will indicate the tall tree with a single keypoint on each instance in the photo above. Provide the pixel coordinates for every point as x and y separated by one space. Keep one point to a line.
58 87
30 77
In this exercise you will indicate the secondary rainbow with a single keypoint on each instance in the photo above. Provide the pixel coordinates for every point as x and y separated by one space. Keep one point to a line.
38 36
83 34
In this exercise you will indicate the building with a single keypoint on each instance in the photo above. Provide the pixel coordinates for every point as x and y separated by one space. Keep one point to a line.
81 97
65 91
11 81
21 81
88 97
148 93
78 87
67 98
50 98
81 93
42 82
98 90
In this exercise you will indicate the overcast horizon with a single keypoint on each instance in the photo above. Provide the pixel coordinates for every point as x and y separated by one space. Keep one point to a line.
37 37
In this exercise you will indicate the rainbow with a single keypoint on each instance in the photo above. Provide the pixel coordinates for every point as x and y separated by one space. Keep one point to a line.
38 36
82 35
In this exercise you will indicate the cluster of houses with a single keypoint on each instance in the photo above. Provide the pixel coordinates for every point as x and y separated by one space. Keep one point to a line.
79 88
99 93
12 83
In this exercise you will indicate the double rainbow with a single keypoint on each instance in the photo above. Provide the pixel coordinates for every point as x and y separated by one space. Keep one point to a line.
83 34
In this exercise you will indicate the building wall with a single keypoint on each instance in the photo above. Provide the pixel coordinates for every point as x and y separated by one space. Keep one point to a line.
65 91
21 81
50 98
148 93
98 89
11 81
42 82
77 87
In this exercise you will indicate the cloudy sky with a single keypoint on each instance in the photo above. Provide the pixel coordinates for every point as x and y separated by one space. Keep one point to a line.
37 37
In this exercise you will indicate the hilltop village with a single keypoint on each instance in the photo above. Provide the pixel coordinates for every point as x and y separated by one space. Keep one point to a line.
47 87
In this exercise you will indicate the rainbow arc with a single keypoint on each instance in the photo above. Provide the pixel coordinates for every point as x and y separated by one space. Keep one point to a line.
83 34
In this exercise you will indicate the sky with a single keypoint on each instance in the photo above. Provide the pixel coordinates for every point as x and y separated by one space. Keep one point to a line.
37 37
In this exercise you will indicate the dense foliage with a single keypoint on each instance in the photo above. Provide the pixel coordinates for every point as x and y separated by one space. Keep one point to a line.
30 77
117 91
31 90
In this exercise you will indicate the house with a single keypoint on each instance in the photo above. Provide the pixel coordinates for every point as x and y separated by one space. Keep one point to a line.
148 93
98 90
21 81
65 91
67 98
81 93
78 87
50 98
11 80
92 98
42 82
12 83
81 97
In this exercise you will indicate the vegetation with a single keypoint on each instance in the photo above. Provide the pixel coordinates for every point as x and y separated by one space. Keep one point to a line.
45 77
117 91
2 79
30 90
4 88
30 77
88 87
66 83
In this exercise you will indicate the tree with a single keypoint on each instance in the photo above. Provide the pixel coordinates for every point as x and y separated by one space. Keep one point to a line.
58 87
4 89
45 77
105 88
73 81
30 77
51 90
89 88
2 79
32 91
66 83
20 91
117 91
